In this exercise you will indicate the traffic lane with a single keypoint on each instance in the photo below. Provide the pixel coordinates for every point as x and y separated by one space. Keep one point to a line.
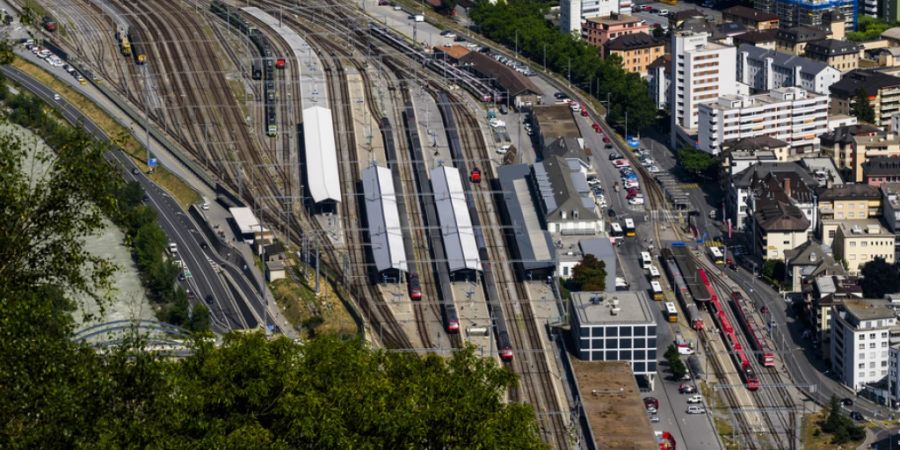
204 275
607 174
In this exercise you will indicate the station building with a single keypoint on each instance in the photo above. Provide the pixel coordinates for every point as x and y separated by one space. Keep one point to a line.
533 248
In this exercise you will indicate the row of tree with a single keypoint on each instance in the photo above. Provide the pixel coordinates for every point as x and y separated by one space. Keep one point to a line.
521 24
123 204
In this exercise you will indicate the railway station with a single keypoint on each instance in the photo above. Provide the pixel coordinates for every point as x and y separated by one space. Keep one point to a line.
248 226
463 259
534 252
383 223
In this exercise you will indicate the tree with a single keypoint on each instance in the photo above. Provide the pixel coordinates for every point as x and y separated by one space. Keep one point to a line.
840 426
862 109
774 270
695 161
879 278
678 368
590 274
200 318
671 353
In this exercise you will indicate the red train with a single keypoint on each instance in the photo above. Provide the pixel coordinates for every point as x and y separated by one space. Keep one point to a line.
751 379
743 310
475 176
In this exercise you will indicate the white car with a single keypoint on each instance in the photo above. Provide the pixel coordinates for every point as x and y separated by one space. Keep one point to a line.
495 123
632 184
653 169
696 409
697 398
593 181
646 162
56 97
636 201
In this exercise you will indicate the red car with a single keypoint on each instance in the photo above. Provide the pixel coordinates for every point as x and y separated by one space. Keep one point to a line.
596 127
605 140
648 8
632 193
584 113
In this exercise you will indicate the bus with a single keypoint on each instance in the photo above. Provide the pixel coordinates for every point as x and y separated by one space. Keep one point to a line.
654 272
716 255
629 227
645 260
615 230
656 288
671 312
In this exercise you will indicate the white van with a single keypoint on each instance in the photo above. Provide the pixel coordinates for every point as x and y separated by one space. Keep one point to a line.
696 409
173 248
205 205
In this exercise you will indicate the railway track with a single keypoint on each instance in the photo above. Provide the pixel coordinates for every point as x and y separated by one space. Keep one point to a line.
531 363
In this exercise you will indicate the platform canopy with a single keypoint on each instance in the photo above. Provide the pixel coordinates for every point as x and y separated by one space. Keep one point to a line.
321 155
383 218
456 223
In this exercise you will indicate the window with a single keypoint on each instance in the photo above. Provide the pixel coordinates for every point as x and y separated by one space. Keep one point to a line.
625 331
872 365
872 344
625 343
861 366
598 331
862 337
862 346
871 335
611 356
861 356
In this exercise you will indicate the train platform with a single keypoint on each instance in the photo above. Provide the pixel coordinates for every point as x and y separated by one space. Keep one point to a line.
366 131
546 307
430 127
474 320
401 307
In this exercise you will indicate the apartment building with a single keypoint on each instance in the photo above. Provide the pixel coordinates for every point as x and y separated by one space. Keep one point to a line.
838 144
890 203
763 39
637 51
860 241
793 40
821 293
701 72
778 226
597 31
789 114
765 70
842 55
881 170
838 204
882 91
752 18
659 79
872 147
739 204
860 340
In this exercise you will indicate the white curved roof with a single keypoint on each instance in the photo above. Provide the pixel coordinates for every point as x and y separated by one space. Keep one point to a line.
383 219
456 223
321 155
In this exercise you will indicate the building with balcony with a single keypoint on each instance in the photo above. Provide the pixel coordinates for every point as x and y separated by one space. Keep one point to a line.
842 55
701 72
738 201
860 340
793 40
790 114
868 148
597 31
881 90
890 203
573 12
767 69
778 225
811 13
839 145
881 170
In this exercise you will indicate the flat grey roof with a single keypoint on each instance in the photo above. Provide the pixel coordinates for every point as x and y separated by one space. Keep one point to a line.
535 246
869 309
456 223
634 308
383 219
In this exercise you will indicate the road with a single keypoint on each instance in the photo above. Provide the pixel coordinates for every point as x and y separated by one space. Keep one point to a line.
229 307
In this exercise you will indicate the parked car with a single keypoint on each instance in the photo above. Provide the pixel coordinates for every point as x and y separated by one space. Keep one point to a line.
596 127
560 95
632 184
696 398
686 389
857 416
663 12
651 402
847 401
606 140
653 169
614 156
611 213
654 419
635 201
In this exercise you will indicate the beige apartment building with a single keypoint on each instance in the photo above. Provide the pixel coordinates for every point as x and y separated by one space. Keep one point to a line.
872 146
847 202
860 241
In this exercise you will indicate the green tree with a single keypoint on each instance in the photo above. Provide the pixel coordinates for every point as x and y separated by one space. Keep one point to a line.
679 370
774 270
6 53
200 318
695 161
879 278
671 353
590 274
842 428
862 109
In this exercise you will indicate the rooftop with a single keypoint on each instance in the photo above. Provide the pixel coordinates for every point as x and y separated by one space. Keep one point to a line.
845 134
509 78
850 192
453 51
756 37
633 308
383 219
556 121
245 219
891 33
749 14
823 169
775 96
832 47
869 309
892 193
807 66
774 214
563 190
881 165
755 143
615 19
533 242
868 80
860 228
801 34
613 406
633 41
745 178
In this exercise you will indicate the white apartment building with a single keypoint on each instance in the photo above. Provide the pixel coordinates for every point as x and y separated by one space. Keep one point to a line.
860 341
765 70
573 12
790 114
701 72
